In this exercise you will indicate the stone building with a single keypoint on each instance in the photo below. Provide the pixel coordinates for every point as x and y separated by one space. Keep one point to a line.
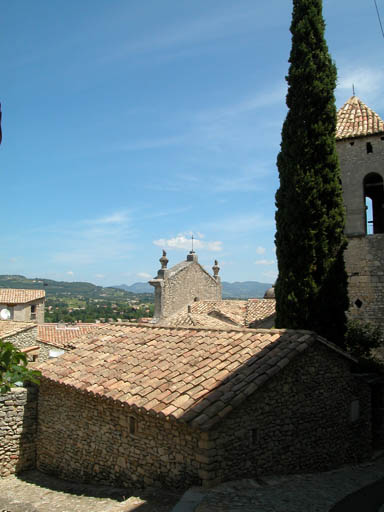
23 305
179 406
360 146
182 284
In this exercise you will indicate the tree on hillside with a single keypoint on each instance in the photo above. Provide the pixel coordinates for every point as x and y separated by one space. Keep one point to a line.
311 289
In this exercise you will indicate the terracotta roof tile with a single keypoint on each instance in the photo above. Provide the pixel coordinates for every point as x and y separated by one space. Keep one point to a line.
62 335
177 375
220 314
355 119
19 296
10 328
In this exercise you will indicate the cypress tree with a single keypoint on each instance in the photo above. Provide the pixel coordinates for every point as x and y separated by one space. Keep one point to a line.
311 288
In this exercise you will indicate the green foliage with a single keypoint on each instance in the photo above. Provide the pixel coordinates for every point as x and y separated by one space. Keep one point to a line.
362 337
311 289
13 367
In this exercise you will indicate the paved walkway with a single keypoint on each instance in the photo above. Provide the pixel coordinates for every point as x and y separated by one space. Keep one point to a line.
35 492
298 493
322 492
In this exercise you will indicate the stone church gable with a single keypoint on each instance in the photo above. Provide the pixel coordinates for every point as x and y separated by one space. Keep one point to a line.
183 284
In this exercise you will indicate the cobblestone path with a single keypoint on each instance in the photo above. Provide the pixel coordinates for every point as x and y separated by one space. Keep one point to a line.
299 493
33 491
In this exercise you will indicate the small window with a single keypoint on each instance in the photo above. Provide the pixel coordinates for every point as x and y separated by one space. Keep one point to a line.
355 410
352 143
33 312
358 303
132 425
254 437
373 187
369 147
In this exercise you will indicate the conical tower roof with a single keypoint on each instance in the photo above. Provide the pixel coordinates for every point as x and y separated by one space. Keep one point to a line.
355 119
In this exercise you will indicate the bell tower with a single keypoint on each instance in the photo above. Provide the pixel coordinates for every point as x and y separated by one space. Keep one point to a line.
360 146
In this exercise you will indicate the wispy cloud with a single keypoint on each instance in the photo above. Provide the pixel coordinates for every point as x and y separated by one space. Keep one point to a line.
270 274
182 241
144 275
102 239
114 218
153 143
70 273
242 223
265 262
213 26
368 83
260 250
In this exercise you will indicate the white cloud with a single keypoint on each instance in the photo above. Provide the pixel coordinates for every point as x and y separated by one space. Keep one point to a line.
260 250
99 276
144 275
70 273
265 262
183 241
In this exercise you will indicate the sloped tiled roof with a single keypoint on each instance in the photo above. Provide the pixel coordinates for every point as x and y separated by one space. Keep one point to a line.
355 119
223 313
9 327
63 335
185 319
19 296
196 376
259 310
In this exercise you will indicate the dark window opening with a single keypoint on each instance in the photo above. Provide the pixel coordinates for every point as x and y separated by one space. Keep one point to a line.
369 147
382 138
33 312
132 425
358 303
254 436
374 200
352 143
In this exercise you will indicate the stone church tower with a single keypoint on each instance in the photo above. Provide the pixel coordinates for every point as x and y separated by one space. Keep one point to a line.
183 284
360 146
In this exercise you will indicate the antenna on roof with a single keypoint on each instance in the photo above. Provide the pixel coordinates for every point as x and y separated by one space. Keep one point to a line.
353 89
378 15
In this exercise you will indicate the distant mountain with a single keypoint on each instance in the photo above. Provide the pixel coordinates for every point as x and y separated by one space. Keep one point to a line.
237 290
244 290
136 288
64 288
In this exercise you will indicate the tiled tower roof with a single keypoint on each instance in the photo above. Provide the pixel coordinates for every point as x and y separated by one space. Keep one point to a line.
355 119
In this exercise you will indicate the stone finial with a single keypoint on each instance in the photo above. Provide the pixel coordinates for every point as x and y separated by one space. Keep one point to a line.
164 261
216 269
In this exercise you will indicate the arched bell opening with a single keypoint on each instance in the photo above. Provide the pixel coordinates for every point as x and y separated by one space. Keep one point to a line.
374 202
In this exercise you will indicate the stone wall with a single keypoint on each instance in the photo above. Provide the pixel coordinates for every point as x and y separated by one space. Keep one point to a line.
312 417
18 420
88 439
364 260
28 338
179 286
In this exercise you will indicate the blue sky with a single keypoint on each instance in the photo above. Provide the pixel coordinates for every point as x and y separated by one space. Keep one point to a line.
128 125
